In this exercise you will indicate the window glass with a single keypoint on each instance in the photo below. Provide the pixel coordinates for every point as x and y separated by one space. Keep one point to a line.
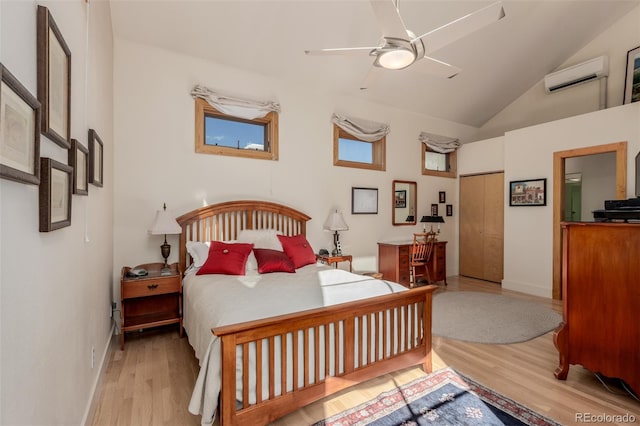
437 164
435 161
234 133
349 151
354 150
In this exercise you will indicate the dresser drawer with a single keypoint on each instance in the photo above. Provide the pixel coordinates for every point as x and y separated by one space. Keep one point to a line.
150 287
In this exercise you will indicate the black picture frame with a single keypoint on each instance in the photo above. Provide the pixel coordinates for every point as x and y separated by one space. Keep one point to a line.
632 77
20 121
96 159
79 160
528 193
434 210
56 184
449 209
364 200
401 199
442 197
54 79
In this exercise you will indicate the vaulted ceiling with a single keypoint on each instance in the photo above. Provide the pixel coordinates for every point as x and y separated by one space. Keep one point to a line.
499 62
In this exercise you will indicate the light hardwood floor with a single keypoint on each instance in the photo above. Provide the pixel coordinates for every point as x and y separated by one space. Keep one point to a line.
150 382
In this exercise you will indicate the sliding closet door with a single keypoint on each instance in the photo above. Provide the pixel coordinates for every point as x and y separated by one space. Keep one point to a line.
482 226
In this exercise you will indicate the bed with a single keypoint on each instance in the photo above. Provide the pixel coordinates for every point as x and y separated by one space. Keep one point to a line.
269 343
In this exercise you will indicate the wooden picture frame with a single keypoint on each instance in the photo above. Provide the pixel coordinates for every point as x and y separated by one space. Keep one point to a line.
442 197
449 209
527 193
79 160
364 200
55 195
19 131
400 201
632 79
434 210
96 159
54 80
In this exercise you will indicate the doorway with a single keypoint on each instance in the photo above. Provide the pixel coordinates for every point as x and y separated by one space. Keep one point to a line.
559 195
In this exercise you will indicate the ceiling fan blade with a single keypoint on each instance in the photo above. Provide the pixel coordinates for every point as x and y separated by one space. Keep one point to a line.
454 30
435 67
341 51
371 78
389 19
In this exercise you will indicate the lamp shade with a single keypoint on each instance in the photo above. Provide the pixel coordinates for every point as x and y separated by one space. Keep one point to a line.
410 219
164 223
335 222
433 219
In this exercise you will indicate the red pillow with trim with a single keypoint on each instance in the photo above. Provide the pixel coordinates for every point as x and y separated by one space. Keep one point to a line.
273 261
224 258
298 249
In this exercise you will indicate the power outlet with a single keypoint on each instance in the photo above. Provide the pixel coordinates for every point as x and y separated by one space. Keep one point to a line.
93 356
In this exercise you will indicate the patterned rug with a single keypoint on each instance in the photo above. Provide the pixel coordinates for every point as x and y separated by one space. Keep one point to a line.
443 397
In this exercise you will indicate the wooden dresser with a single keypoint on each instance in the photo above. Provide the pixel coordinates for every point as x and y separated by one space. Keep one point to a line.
601 300
393 261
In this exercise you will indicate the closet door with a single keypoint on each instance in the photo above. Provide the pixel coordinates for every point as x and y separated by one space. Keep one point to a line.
482 226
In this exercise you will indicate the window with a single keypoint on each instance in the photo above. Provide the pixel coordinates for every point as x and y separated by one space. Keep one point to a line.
437 164
349 151
222 134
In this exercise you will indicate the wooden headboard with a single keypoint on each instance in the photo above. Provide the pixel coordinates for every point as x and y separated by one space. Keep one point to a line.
224 221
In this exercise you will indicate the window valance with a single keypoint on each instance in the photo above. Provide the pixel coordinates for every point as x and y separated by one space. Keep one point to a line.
365 130
236 107
439 143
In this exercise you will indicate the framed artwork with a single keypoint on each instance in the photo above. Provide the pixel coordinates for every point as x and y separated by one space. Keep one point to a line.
54 80
449 209
434 210
632 80
19 131
442 197
96 159
364 200
401 199
528 192
55 195
79 160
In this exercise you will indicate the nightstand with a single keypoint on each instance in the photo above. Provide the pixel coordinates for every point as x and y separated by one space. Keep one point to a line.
152 300
329 259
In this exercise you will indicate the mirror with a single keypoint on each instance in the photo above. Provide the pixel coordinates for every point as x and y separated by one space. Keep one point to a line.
404 202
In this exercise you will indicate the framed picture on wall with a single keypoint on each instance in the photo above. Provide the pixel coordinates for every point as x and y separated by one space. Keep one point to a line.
54 80
55 195
19 131
96 159
442 197
528 192
401 199
364 200
434 210
632 81
79 160
449 209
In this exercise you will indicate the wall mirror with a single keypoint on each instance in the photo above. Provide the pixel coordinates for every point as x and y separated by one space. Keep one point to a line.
404 203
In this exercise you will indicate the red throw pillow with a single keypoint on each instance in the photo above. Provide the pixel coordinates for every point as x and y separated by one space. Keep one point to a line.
298 249
273 261
224 258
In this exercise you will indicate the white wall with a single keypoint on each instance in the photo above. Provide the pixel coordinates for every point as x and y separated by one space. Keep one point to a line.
55 288
536 106
156 162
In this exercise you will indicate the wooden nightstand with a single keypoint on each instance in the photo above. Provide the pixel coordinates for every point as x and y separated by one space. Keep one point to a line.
329 259
152 300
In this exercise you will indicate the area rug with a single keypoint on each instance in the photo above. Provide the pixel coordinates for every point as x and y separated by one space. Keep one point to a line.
490 318
440 398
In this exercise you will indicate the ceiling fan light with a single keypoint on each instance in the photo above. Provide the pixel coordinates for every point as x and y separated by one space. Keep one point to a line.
396 59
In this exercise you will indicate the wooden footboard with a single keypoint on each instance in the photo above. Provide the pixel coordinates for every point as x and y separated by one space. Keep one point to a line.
286 362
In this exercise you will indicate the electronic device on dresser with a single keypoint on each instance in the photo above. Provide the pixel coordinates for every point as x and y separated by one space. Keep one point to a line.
619 210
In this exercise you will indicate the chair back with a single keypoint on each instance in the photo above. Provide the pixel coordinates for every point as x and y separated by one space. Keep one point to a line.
419 248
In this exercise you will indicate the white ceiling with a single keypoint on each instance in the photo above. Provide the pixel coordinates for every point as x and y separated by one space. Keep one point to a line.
499 62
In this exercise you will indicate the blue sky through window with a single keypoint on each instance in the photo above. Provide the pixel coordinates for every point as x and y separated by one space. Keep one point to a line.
233 134
358 151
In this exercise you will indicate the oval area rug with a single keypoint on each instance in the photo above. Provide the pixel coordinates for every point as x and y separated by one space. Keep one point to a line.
490 318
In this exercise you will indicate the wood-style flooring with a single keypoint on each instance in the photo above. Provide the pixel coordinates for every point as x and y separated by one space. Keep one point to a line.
150 382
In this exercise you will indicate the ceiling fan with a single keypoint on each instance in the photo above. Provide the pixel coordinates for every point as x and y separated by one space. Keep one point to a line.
399 48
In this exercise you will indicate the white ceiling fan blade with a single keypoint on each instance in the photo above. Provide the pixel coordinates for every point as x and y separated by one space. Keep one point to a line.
389 19
371 78
446 34
341 51
436 67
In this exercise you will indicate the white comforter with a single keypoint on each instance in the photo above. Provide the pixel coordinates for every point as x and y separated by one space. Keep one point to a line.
216 300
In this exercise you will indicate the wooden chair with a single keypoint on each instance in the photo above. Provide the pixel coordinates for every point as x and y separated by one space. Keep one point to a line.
420 255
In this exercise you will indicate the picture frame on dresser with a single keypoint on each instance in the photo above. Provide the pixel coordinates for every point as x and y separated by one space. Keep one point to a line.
19 131
96 159
79 160
54 79
364 200
56 183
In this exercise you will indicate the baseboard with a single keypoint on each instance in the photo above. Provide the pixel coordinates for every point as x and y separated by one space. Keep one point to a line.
527 288
94 395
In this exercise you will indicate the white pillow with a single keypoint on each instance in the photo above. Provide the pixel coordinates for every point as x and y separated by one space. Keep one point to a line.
199 252
261 238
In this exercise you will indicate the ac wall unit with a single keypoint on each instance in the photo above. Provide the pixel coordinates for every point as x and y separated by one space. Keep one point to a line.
590 70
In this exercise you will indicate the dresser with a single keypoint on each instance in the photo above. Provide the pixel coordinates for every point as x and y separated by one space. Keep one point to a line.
393 261
601 300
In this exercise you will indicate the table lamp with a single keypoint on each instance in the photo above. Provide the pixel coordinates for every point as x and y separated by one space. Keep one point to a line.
165 224
432 220
335 222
